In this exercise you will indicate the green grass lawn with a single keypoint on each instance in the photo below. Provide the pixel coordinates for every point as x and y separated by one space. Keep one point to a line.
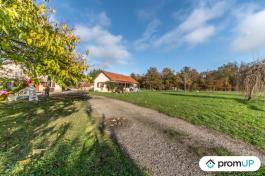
226 112
57 137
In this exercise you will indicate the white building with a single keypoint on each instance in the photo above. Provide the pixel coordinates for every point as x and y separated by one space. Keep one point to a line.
10 70
104 79
44 83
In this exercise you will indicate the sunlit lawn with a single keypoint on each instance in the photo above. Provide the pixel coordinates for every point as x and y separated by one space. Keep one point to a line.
227 112
57 137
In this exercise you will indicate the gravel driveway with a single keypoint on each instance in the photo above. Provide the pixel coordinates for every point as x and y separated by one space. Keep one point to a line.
162 144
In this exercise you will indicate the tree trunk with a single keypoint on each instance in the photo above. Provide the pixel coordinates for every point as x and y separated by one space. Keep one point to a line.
252 90
250 94
185 84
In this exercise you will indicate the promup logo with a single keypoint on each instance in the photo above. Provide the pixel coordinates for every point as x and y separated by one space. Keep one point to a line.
229 163
210 163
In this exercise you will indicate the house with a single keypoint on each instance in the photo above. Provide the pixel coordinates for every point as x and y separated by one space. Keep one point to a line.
12 71
44 82
84 85
108 82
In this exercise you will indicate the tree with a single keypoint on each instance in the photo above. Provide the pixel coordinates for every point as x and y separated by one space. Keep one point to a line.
194 79
253 78
94 73
189 78
153 79
202 81
210 77
227 76
140 79
41 48
177 81
168 79
137 77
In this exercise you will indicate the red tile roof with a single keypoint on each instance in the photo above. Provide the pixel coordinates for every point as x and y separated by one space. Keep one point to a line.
119 77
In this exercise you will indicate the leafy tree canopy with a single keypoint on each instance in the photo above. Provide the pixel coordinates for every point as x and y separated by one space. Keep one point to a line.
153 79
168 78
42 48
94 73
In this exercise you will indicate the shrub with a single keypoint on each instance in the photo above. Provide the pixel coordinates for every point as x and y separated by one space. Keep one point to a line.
3 95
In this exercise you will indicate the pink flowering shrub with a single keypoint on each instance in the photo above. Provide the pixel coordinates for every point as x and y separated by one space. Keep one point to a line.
3 94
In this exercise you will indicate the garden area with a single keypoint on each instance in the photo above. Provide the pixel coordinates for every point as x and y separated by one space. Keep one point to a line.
11 86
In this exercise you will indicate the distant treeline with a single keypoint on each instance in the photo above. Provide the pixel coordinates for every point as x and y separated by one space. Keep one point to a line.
224 78
249 78
228 77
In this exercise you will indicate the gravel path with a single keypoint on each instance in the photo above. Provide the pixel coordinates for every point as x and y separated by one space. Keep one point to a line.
162 144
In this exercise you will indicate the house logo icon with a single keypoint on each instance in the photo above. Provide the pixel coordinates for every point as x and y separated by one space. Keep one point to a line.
210 163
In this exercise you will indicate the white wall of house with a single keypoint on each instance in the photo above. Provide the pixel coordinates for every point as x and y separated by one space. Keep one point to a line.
12 71
99 83
15 71
55 87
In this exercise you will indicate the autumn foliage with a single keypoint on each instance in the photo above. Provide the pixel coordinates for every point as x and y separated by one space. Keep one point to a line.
223 79
42 48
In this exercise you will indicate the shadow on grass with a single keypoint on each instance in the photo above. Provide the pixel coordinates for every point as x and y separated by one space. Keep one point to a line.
252 105
26 126
80 157
21 122
255 105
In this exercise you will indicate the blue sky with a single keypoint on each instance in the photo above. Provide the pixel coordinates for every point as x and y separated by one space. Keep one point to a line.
133 35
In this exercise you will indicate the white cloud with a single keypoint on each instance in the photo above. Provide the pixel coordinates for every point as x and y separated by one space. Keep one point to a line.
244 10
97 35
197 18
98 19
200 34
179 15
196 28
148 35
104 20
105 47
250 33
110 55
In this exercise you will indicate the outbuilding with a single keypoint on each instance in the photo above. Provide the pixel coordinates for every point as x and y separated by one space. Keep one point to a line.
114 82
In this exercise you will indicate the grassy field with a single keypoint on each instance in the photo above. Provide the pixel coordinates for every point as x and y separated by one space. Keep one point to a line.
57 137
226 112
60 137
